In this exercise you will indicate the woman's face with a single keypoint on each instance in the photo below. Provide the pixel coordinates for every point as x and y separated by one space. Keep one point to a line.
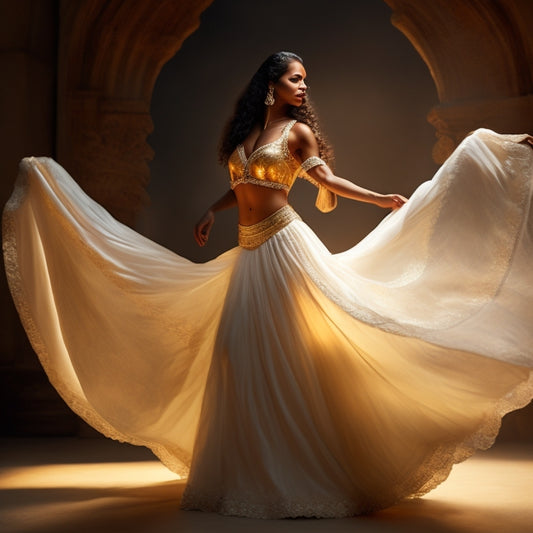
291 87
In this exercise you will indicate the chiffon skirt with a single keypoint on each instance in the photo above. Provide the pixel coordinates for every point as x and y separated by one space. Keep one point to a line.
285 380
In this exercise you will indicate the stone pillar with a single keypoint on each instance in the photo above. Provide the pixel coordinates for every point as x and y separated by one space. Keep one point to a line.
78 79
111 53
28 47
454 121
480 55
104 147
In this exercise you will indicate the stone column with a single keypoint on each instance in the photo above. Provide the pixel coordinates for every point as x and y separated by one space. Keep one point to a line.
480 55
111 52
78 79
28 48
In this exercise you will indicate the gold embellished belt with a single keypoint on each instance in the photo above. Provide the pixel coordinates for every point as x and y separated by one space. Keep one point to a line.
250 237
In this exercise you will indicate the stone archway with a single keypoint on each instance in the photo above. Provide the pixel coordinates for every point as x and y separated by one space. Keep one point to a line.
111 53
480 55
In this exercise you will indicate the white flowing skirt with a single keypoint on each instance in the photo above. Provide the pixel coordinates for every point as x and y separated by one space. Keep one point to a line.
287 381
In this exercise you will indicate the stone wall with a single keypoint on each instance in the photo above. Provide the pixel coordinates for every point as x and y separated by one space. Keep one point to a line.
110 54
78 84
480 55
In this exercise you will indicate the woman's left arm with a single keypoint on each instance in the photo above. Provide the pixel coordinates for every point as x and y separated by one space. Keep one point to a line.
304 145
343 187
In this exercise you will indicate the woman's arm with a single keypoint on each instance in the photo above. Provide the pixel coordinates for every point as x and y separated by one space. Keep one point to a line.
203 226
343 187
304 145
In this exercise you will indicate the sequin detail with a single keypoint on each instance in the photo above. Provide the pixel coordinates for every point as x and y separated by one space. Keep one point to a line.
263 183
273 166
251 237
312 162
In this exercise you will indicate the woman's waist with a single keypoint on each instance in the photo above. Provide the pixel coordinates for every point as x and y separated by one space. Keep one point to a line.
251 236
257 203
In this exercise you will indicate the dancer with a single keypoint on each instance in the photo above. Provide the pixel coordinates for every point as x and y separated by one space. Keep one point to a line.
282 379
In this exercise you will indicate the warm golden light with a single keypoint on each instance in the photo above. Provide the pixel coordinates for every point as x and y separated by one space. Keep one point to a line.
489 492
88 497
88 475
502 482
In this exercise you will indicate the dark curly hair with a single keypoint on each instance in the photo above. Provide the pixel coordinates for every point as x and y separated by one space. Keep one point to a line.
250 109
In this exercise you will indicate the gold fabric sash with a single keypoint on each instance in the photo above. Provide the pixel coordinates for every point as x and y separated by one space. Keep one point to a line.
251 237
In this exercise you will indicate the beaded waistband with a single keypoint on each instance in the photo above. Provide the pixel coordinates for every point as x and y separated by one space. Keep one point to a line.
251 237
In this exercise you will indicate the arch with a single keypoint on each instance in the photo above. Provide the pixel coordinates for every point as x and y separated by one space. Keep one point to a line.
480 55
111 53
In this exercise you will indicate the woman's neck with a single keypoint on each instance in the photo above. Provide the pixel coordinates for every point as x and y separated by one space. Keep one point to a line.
273 115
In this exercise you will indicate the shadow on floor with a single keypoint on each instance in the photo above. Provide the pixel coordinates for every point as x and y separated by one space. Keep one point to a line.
46 502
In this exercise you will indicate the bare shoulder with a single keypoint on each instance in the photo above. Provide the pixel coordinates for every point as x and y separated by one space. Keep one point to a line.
302 136
302 130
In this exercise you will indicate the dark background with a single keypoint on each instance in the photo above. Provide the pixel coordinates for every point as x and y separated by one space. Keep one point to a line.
370 87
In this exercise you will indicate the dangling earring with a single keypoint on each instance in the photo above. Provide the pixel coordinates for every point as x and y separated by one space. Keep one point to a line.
269 100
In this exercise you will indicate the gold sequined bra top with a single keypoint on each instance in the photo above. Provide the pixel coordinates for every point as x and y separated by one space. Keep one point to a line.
272 165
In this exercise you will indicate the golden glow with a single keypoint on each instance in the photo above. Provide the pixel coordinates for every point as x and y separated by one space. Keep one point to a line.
490 492
477 480
86 475
87 497
505 483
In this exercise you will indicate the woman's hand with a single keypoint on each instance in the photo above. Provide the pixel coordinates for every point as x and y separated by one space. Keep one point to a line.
203 227
391 201
302 141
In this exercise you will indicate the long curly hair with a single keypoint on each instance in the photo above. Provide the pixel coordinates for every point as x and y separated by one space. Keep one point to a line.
250 109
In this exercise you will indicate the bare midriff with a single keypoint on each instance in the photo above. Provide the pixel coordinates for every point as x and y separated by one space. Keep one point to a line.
255 202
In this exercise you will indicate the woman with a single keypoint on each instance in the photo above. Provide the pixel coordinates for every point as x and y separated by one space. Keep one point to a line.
285 380
252 130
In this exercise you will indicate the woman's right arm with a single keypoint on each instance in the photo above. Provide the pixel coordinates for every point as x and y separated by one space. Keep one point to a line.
203 226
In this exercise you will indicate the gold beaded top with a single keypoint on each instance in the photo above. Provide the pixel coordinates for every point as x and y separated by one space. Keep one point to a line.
272 165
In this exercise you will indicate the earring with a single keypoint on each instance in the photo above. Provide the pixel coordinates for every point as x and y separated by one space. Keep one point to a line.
269 100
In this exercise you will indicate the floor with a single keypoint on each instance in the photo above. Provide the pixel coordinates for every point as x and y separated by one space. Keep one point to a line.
97 485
